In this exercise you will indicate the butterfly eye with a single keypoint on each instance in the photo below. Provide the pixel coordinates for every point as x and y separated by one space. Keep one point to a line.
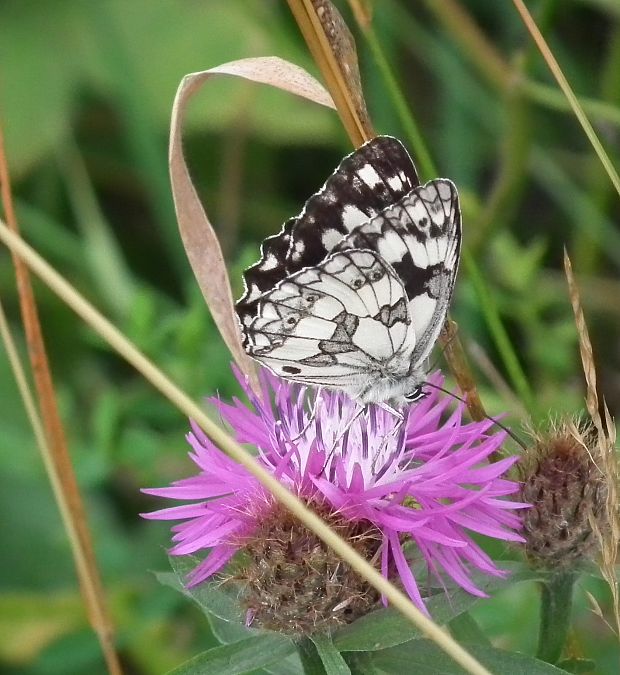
416 395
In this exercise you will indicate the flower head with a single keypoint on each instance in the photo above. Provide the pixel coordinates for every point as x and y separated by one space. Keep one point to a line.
402 487
564 483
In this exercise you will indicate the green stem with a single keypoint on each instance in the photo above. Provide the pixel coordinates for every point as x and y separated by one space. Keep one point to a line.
555 613
409 123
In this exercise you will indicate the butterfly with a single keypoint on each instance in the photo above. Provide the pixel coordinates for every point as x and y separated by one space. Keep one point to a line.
352 293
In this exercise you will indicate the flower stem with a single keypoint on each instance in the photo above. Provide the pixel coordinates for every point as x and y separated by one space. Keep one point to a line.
555 613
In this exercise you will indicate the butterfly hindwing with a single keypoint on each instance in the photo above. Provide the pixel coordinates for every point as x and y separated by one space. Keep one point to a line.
335 323
420 237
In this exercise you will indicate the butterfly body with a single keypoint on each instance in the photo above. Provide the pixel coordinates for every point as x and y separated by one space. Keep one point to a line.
353 292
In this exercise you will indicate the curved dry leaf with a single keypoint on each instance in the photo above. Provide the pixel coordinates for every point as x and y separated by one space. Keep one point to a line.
199 238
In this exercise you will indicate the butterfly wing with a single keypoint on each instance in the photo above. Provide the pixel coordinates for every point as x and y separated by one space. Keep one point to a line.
336 324
420 238
368 180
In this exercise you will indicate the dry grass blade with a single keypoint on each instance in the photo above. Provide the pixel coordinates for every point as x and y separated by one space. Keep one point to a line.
607 458
585 346
580 114
56 453
333 48
199 237
185 404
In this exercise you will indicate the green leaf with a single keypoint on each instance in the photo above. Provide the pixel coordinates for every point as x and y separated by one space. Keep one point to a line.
332 660
464 628
210 597
224 615
240 657
228 632
310 659
386 627
291 665
424 657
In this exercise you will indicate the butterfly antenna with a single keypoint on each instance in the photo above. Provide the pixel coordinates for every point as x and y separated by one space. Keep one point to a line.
511 433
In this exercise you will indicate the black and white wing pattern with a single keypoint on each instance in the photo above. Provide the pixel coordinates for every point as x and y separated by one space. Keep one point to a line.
420 238
368 180
352 293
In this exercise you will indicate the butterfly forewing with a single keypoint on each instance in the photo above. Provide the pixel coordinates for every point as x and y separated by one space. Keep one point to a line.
366 181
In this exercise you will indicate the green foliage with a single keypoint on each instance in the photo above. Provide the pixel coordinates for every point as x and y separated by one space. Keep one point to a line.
85 97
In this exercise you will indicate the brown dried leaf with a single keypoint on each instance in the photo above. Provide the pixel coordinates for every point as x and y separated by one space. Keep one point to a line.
199 237
333 48
585 346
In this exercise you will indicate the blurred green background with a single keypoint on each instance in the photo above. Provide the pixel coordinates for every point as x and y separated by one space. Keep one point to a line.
86 89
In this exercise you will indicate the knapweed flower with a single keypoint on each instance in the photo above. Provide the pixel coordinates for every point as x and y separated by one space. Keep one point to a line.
402 488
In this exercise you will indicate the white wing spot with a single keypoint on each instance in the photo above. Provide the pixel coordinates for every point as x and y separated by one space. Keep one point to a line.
352 217
395 182
269 263
298 248
368 174
253 293
331 238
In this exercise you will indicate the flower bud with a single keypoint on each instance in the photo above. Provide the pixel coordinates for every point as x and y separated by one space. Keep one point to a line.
567 492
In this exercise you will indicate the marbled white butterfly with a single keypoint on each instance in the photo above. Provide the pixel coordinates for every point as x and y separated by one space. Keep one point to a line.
352 293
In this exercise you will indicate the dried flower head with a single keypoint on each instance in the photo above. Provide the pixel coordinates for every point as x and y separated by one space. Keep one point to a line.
400 490
567 491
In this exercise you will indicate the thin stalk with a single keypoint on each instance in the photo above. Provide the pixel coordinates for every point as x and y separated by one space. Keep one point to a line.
555 615
187 406
57 460
578 110
410 126
354 120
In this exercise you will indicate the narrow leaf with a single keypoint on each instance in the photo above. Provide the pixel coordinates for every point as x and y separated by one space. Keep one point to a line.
422 657
209 596
332 660
240 657
386 628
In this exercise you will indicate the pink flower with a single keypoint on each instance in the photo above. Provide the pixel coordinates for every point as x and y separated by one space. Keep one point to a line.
424 479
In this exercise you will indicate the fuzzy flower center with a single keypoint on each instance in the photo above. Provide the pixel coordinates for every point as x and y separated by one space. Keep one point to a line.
293 583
